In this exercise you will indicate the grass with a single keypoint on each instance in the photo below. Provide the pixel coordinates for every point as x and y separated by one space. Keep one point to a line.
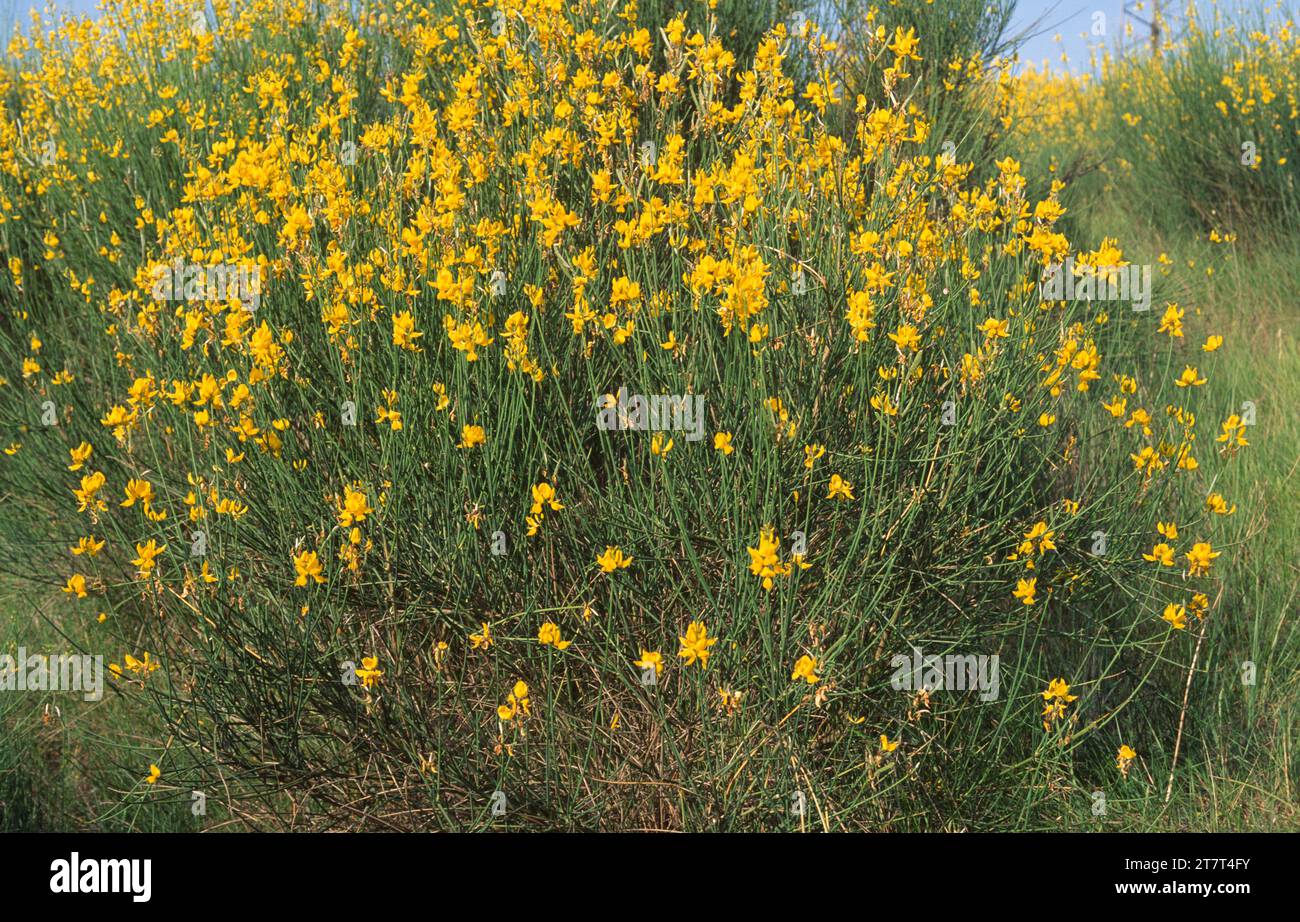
67 763
1242 757
1236 770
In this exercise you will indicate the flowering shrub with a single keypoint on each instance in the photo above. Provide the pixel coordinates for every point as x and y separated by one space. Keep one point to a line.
1225 155
361 513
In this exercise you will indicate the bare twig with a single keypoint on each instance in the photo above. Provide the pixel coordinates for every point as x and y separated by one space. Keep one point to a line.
1187 690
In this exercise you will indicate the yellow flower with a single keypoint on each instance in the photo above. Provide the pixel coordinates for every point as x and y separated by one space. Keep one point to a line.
722 442
544 495
154 774
354 508
516 703
549 635
764 560
141 667
1139 417
860 316
80 455
145 554
882 404
471 436
1057 697
76 586
1200 557
307 565
1176 615
141 490
624 289
650 658
886 745
1234 432
1025 589
811 453
1149 459
482 640
820 96
1190 377
1123 758
839 488
1116 408
906 337
806 669
612 559
465 337
87 545
1040 533
87 495
386 414
1218 505
1212 343
696 643
368 673
1172 321
404 332
1162 554
905 43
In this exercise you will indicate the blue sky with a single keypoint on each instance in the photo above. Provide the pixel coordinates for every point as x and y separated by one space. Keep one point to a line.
1070 21
1067 26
